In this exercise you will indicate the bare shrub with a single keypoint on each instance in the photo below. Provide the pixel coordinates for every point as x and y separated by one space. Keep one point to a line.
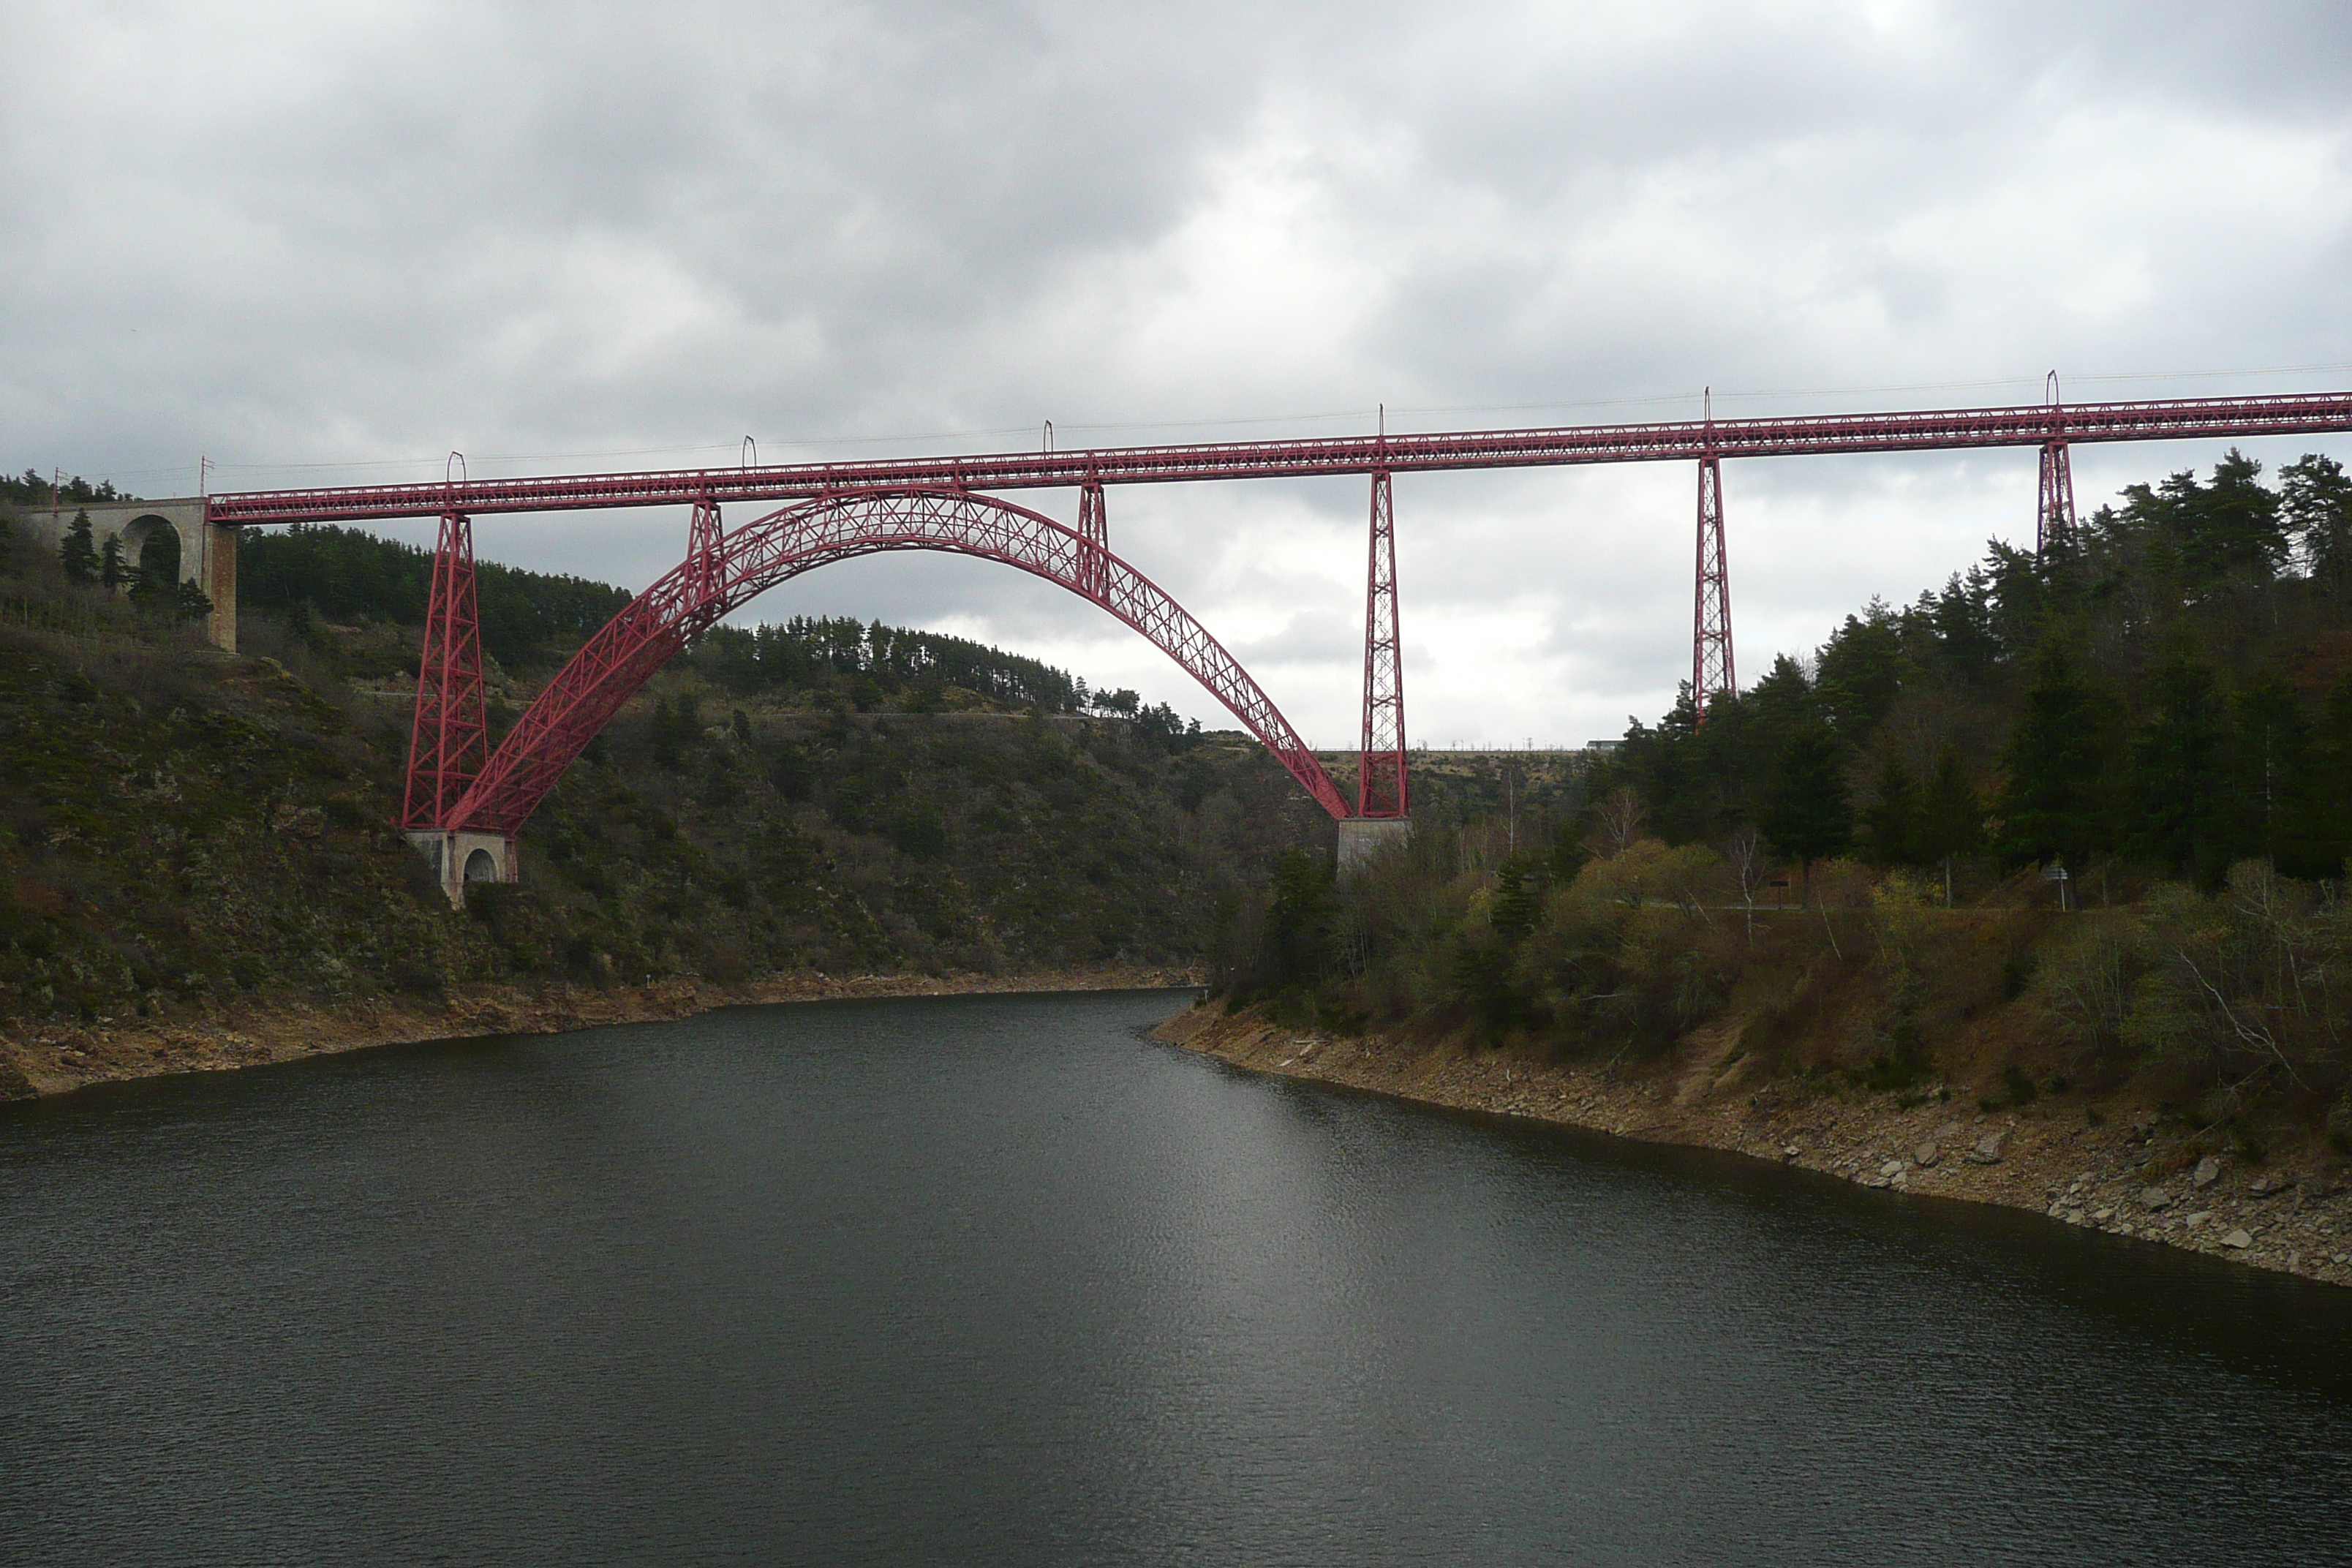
1619 820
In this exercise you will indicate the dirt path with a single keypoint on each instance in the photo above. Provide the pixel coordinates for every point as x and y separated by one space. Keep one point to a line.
2106 1164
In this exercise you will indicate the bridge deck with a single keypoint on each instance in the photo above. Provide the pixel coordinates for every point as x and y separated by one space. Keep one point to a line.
1562 446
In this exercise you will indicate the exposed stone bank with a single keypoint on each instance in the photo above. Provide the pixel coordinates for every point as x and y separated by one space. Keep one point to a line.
2124 1173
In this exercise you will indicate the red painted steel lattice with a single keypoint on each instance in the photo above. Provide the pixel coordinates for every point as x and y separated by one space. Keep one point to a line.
1931 430
448 742
738 567
1380 774
1712 671
1094 528
705 539
2053 517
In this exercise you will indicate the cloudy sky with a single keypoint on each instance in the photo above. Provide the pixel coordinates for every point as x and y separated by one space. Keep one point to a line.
331 243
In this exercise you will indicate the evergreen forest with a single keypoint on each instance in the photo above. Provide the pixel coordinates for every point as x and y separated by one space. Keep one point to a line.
2063 820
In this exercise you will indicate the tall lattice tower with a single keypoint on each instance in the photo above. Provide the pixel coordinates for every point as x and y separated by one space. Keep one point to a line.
1380 782
448 740
2054 510
1713 674
2054 516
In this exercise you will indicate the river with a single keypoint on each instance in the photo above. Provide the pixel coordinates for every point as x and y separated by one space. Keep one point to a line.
999 1279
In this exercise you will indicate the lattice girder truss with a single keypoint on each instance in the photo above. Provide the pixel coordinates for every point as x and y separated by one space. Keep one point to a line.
727 572
1925 430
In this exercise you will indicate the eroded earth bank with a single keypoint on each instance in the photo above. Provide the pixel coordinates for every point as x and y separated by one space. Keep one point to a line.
40 1058
2114 1164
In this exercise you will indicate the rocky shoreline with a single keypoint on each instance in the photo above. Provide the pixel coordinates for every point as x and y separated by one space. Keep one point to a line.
38 1059
2110 1164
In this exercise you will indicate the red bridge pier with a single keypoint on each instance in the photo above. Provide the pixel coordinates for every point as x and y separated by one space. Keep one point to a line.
1383 812
448 739
1712 672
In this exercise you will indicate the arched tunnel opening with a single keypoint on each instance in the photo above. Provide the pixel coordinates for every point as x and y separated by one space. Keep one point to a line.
151 546
158 556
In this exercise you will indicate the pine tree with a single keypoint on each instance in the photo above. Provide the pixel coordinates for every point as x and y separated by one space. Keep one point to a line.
2050 805
2315 837
78 554
2265 761
1861 672
1517 900
2198 534
2317 502
2017 599
1893 822
1809 814
1961 619
2179 791
1951 817
1569 855
1298 924
112 571
152 595
1783 699
189 602
677 727
2235 526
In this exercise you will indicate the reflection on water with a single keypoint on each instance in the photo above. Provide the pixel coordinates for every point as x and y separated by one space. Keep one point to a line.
998 1280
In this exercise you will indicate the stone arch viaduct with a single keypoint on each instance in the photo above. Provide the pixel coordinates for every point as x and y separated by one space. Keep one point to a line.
205 547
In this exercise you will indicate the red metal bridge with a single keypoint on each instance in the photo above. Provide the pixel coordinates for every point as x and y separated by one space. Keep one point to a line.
834 511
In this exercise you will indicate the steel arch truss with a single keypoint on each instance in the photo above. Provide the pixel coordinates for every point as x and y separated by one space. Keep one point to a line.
726 569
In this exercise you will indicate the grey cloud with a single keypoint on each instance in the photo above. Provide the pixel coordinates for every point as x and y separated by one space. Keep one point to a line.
293 235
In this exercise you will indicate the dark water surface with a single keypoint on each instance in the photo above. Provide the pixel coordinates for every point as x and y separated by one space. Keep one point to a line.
998 1280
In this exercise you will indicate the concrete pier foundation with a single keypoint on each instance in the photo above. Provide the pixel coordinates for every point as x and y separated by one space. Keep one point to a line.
1362 838
459 859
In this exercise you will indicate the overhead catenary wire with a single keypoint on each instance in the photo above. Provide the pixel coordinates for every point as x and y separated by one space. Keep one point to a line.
1368 415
